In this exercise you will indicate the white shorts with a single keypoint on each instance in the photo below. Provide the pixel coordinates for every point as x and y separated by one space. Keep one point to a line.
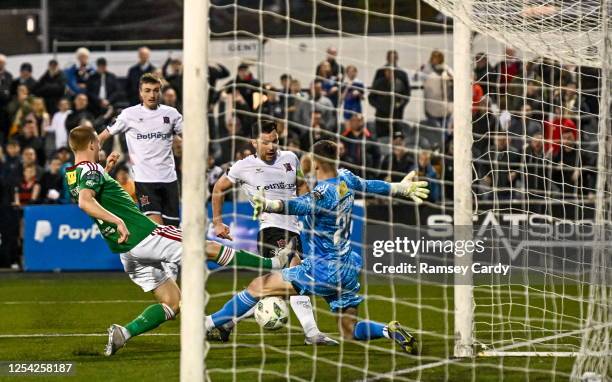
155 259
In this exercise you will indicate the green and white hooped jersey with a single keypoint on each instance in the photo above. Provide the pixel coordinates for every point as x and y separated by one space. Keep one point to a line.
111 196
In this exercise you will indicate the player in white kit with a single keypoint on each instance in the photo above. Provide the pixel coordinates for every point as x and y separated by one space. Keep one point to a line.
150 128
278 173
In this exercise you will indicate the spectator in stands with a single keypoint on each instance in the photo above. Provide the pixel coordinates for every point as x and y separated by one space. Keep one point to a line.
245 83
399 162
29 158
19 107
503 167
360 152
6 80
11 168
65 155
392 62
103 88
293 145
293 102
521 126
78 73
51 86
353 90
39 112
508 68
29 137
317 102
135 72
170 98
567 169
554 130
316 132
79 113
216 72
425 171
437 79
535 168
122 176
28 190
271 105
484 74
25 78
329 82
58 123
336 69
173 73
51 183
389 95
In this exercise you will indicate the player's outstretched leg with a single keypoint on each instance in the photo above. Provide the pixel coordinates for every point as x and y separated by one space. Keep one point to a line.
271 284
226 256
168 294
366 330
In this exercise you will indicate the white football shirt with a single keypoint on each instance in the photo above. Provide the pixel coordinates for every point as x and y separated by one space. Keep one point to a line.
149 135
278 179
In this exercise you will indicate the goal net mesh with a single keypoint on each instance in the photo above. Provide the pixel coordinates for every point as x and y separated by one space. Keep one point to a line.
377 78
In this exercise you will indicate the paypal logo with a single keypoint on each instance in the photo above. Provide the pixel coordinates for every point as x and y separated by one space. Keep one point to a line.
43 229
65 231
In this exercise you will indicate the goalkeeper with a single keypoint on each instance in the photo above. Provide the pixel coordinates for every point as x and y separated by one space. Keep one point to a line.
150 253
331 269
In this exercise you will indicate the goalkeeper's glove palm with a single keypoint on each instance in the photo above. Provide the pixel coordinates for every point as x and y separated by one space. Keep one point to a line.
407 188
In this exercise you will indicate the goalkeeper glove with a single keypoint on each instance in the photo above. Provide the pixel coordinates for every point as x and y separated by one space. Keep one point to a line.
261 204
407 188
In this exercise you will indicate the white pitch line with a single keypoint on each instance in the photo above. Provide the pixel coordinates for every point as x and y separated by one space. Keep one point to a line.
47 335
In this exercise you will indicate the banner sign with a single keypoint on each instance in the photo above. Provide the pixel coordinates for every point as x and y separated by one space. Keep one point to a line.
64 238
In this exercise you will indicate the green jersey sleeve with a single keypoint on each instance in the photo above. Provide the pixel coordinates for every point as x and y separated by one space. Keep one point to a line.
92 180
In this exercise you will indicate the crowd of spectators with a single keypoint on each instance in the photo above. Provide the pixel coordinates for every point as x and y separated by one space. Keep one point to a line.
531 121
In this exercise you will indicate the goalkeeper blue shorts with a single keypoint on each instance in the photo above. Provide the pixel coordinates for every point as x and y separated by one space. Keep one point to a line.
340 288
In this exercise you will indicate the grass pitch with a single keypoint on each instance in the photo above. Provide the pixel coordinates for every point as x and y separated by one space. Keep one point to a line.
64 317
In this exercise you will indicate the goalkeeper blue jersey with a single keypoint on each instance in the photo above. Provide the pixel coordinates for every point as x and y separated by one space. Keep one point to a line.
327 210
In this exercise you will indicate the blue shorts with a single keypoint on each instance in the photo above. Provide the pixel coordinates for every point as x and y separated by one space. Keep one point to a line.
340 290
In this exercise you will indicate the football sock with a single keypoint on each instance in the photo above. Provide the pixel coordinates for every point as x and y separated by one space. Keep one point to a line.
368 330
236 320
241 258
235 307
149 319
302 307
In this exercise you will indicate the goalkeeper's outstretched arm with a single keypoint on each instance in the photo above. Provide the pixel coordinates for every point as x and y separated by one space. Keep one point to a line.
307 204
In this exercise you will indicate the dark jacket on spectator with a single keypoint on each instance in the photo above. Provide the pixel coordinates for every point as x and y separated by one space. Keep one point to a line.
74 119
215 73
396 167
383 101
94 83
51 88
360 152
28 82
132 80
50 181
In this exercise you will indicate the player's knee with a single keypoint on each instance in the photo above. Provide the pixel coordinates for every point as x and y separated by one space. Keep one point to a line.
174 304
212 249
257 287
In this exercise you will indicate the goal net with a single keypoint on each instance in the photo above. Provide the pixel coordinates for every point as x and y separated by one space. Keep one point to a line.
533 185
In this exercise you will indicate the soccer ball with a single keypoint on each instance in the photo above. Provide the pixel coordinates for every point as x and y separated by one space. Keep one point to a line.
271 313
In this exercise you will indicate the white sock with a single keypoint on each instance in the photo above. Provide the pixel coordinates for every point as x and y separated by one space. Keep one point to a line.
302 307
125 333
236 320
276 263
386 332
208 323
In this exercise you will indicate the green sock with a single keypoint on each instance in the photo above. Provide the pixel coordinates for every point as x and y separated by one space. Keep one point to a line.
241 258
149 319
